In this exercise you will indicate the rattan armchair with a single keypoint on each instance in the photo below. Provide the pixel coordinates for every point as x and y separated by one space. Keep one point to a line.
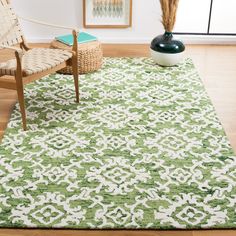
30 64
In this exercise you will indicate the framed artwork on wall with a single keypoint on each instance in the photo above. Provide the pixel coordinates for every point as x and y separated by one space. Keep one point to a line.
107 13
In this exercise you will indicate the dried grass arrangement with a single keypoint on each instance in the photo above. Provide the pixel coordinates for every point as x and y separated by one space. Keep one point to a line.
169 10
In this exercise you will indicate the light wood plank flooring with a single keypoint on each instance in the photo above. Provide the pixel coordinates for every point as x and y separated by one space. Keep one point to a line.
217 68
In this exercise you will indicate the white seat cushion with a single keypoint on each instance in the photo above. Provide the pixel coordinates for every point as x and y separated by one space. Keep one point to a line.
36 60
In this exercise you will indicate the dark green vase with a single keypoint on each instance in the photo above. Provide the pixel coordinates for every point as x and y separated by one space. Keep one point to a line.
167 51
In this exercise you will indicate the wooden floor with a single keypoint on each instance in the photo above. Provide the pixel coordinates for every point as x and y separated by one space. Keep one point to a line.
217 68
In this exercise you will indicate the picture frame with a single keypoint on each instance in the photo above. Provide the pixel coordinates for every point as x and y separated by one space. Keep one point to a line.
115 17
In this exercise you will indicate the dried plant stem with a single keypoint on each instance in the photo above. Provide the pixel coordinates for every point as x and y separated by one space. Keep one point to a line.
169 10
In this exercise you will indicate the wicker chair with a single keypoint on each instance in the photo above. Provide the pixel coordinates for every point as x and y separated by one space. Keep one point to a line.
30 64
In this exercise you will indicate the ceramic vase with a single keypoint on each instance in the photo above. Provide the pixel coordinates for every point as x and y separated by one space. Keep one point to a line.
167 51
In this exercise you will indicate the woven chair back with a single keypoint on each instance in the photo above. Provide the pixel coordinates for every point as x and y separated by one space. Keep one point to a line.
10 31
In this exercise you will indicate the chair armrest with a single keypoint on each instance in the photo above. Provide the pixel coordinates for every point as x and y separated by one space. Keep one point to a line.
47 24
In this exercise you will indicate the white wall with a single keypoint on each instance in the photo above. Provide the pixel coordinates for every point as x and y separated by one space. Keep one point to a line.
146 22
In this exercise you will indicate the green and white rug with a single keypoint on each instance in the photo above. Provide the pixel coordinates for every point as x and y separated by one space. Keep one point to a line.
143 149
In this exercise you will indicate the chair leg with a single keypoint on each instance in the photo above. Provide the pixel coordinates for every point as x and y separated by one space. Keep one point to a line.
20 93
76 77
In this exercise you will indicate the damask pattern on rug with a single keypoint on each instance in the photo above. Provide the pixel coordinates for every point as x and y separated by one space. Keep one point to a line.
143 149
